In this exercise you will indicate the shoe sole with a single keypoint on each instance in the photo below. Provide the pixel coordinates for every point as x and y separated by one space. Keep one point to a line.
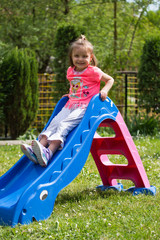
39 153
25 151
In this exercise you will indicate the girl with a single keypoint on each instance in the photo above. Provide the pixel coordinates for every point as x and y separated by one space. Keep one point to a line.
84 78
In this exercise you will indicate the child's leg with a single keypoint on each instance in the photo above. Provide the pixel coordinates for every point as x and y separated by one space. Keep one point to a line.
54 145
55 139
28 151
45 154
52 128
43 140
68 124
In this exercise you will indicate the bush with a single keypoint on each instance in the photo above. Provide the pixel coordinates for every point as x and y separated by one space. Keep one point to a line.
143 124
30 134
64 36
19 81
149 76
3 50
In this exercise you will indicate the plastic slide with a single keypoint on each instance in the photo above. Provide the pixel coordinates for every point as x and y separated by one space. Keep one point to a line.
28 191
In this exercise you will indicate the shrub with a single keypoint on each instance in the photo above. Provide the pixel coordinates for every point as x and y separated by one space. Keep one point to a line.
30 134
64 36
142 124
149 76
20 87
3 50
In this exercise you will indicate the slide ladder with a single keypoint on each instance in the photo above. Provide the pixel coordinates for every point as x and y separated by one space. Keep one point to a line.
28 191
121 144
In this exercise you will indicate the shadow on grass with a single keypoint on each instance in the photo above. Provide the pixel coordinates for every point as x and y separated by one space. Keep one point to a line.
88 194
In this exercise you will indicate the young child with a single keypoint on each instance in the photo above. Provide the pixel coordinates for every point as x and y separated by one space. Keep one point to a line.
84 78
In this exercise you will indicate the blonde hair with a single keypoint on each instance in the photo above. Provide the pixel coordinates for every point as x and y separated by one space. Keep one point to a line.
82 41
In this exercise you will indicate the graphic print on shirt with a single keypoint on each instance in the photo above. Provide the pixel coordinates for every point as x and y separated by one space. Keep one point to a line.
76 85
85 91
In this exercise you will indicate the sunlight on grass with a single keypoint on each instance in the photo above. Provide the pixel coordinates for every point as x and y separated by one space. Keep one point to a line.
9 155
81 212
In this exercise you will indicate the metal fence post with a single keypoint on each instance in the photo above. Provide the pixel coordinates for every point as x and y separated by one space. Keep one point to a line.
126 96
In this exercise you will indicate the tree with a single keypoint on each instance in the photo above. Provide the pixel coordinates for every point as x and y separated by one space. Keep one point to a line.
149 76
19 81
4 48
117 36
154 18
142 6
32 24
117 28
64 36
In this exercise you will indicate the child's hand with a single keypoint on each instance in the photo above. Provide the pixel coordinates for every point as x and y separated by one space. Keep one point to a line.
103 95
65 95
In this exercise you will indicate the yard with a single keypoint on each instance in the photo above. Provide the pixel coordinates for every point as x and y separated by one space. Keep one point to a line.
81 212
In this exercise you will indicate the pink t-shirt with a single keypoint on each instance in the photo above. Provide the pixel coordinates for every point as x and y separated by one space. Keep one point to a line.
83 85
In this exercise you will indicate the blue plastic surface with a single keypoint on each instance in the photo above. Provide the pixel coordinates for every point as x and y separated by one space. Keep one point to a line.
28 191
118 187
147 191
134 190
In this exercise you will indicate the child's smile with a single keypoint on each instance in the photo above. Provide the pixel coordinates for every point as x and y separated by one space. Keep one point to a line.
81 58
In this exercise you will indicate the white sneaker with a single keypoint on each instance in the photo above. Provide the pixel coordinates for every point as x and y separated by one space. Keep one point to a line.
27 150
42 153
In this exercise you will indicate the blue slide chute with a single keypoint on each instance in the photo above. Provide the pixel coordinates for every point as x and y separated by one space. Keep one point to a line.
28 191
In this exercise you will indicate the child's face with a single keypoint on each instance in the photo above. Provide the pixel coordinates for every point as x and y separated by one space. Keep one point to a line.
81 58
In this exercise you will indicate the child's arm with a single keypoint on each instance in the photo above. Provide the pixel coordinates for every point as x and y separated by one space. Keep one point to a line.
108 84
65 95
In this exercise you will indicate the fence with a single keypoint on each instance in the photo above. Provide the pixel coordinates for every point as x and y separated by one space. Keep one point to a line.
128 93
126 96
47 100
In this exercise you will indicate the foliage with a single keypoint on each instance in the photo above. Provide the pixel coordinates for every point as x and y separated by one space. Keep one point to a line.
33 24
20 89
105 132
149 75
80 212
30 134
143 124
3 50
125 20
154 18
64 36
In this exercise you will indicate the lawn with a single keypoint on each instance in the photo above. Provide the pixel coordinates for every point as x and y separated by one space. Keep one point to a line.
81 212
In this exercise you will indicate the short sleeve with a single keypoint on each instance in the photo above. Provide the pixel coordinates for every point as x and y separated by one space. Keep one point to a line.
98 73
69 70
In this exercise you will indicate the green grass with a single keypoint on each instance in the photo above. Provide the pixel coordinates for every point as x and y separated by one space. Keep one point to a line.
81 212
